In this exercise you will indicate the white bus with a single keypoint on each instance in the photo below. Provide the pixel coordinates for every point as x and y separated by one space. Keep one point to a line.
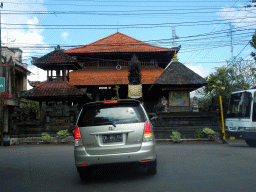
241 116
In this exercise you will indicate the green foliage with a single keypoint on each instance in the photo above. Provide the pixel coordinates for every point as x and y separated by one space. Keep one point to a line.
117 87
114 98
209 133
62 134
244 71
205 103
46 137
30 109
205 133
253 44
224 81
176 136
199 134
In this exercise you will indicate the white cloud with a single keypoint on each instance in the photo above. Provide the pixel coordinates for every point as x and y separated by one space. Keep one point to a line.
65 35
242 17
25 37
37 75
34 20
199 70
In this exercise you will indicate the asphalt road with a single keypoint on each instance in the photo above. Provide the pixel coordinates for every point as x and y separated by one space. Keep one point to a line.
181 167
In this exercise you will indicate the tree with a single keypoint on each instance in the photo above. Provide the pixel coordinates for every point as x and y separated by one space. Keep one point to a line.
253 44
224 81
237 75
244 70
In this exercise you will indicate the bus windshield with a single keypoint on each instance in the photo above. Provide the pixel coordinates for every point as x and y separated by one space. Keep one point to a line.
240 105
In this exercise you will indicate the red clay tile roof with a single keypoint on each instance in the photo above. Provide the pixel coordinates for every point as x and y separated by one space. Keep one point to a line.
22 69
117 42
57 57
112 77
53 89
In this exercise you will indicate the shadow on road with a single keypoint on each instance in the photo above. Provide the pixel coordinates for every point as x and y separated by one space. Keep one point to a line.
237 143
116 173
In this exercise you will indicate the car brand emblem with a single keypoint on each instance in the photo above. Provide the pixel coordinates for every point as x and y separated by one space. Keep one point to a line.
111 128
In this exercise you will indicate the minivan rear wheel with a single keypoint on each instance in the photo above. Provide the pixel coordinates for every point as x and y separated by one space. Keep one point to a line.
152 170
84 173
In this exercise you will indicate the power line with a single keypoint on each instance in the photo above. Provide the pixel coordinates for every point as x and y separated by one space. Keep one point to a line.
119 13
211 31
210 50
155 1
132 25
188 39
111 27
242 50
109 5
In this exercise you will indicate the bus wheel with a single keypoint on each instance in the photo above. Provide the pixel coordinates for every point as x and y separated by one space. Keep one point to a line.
250 142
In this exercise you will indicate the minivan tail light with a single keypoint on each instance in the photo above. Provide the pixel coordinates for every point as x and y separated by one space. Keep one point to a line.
77 134
147 132
77 137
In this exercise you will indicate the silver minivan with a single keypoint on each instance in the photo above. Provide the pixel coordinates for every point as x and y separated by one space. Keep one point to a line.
114 132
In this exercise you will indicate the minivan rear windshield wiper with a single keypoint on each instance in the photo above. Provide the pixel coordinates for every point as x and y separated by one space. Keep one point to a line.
106 123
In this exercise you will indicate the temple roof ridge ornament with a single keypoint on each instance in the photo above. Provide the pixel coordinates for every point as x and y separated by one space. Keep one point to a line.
175 58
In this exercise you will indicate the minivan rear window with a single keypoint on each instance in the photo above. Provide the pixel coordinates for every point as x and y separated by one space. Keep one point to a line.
94 115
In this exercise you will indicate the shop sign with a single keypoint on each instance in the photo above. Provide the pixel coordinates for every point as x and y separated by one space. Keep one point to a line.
2 84
104 87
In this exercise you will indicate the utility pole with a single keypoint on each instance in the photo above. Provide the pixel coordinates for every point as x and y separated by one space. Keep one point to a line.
231 40
174 36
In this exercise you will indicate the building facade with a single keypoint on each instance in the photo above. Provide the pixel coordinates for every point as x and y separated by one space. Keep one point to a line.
115 67
165 83
13 76
104 70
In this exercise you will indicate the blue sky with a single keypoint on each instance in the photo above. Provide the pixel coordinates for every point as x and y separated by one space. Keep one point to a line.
203 28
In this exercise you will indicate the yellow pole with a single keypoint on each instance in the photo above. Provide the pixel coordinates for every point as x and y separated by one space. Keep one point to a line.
222 120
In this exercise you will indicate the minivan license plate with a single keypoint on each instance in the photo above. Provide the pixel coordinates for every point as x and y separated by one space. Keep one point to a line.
112 138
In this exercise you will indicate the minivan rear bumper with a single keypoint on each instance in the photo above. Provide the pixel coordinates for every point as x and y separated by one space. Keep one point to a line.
146 153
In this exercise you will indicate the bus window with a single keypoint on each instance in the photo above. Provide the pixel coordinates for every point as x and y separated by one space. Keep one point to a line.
240 105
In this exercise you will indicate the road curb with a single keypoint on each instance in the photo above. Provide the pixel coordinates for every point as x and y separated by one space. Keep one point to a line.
70 141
